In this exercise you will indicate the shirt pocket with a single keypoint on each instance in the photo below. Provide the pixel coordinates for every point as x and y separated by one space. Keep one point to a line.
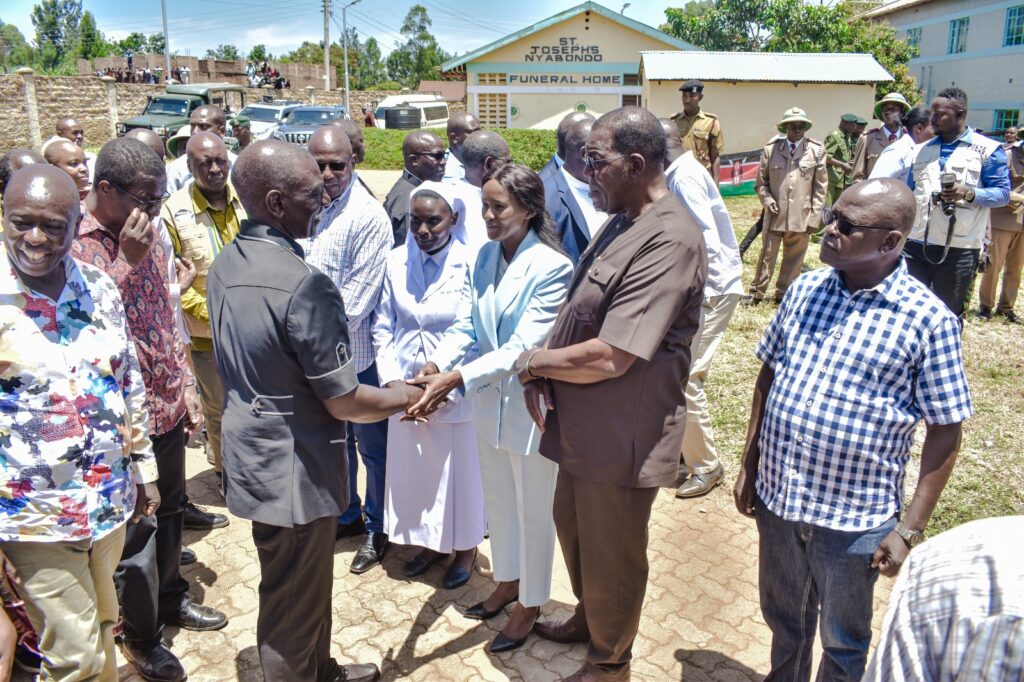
195 243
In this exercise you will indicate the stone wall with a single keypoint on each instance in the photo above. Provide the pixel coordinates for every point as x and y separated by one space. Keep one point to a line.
210 70
85 98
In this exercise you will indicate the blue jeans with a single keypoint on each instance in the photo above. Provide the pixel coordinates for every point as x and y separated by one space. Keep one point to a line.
372 441
806 570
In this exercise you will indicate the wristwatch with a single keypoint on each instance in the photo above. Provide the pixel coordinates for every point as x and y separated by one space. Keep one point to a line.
912 537
969 196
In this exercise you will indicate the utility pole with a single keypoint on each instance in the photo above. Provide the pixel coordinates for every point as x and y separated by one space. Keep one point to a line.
167 44
344 38
327 45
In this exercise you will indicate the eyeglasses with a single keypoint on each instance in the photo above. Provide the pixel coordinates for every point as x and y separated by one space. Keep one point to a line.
436 156
845 227
597 164
333 165
146 204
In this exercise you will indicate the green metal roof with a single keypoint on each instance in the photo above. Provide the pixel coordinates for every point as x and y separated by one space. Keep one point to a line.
560 17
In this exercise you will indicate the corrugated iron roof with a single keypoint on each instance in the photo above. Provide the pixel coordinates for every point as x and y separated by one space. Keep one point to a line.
809 67
890 7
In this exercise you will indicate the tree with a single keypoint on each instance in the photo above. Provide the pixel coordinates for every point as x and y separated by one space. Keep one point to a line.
56 24
15 51
155 43
258 53
224 53
794 26
91 42
136 42
371 68
420 57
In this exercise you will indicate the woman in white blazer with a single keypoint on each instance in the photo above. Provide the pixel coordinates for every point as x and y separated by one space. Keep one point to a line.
516 288
432 491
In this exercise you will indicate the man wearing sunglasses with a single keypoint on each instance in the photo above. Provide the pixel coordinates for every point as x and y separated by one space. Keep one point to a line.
857 356
424 160
201 218
118 236
350 243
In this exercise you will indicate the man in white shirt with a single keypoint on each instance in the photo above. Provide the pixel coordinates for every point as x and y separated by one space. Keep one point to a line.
723 288
567 194
896 159
461 125
482 152
558 158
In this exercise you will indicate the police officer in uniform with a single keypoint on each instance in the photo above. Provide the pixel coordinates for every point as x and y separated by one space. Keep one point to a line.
700 131
840 144
282 348
890 111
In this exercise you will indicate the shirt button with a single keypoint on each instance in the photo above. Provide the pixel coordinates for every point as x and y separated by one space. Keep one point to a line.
838 335
809 403
799 439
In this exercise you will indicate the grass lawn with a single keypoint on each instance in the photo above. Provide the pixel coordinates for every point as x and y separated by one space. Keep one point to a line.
989 476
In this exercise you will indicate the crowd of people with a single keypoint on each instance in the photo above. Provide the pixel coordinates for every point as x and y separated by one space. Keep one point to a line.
512 356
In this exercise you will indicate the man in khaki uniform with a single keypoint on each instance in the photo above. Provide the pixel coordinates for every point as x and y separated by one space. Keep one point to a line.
791 183
201 218
890 111
1007 247
700 131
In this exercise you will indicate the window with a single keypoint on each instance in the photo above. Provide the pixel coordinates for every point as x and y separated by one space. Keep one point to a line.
631 100
1004 118
631 79
958 35
914 41
1014 34
492 108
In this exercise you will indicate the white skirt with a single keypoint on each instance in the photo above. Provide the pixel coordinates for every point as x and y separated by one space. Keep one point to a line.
433 497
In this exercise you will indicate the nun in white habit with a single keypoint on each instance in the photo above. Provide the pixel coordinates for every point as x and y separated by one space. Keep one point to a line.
432 493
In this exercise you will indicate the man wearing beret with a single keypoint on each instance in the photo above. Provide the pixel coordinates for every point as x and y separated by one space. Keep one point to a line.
701 132
890 111
839 145
241 130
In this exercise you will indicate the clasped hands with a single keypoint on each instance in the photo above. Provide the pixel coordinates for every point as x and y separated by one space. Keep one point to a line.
436 386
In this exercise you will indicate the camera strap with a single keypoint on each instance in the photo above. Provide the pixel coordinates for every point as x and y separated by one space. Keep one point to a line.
949 237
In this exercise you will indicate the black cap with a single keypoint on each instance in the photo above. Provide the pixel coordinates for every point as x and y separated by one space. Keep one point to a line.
692 86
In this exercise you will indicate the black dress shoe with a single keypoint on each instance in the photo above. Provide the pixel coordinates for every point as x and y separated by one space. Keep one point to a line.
357 672
370 553
197 518
188 556
351 530
984 312
196 617
503 643
157 664
457 576
421 563
479 612
1011 317
563 632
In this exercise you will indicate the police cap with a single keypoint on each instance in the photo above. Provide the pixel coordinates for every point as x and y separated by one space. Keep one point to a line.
692 86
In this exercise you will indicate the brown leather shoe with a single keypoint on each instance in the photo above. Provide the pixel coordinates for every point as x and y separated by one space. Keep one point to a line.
589 673
564 632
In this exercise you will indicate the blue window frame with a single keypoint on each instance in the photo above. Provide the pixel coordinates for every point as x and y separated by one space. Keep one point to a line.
1014 32
958 35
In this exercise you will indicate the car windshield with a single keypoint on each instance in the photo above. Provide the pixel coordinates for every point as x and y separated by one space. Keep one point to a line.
260 114
311 117
168 107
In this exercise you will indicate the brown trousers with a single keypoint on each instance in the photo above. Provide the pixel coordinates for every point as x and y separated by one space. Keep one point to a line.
1006 251
602 529
794 248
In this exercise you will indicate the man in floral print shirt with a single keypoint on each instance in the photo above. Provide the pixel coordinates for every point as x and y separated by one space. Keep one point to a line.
76 462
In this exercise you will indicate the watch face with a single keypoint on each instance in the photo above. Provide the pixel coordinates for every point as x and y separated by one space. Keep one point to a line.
916 538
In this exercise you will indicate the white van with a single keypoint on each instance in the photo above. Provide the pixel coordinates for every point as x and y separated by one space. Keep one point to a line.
433 109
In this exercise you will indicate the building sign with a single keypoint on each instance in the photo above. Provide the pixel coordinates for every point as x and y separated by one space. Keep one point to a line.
567 50
564 79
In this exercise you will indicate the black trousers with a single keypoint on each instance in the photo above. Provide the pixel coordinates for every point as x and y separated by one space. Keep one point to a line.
148 577
952 279
293 628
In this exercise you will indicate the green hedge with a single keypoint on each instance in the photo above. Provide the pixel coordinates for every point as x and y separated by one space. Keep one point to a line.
529 147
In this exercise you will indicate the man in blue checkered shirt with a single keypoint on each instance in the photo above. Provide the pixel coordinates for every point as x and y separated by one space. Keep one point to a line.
857 355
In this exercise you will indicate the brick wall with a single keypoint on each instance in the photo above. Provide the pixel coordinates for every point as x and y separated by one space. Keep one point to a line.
209 70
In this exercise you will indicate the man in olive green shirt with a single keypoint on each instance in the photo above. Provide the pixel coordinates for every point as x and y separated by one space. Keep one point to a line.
839 145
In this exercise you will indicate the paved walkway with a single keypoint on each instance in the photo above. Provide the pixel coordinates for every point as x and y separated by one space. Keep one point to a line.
701 619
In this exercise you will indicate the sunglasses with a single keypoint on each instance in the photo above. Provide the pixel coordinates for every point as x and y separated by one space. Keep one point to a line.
333 165
597 164
845 227
436 156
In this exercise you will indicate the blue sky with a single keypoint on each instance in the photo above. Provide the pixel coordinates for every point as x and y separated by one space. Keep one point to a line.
194 25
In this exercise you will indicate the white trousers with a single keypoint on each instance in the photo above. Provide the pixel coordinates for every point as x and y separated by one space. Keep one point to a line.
699 452
518 494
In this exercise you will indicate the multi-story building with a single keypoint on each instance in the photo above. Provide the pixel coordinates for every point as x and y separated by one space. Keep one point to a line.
975 45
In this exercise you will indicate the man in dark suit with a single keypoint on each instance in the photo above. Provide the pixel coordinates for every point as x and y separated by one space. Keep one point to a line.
567 194
556 161
282 348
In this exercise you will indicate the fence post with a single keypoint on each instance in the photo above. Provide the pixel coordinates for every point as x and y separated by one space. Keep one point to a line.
112 104
31 106
309 93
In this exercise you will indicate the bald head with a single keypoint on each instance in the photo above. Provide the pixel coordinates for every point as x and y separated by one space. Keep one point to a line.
571 119
461 125
279 185
70 158
881 201
208 162
208 118
482 152
575 138
355 137
70 129
331 148
150 139
424 155
330 139
673 142
14 160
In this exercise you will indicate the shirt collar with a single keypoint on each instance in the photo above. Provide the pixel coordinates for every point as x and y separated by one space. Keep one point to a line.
11 284
410 178
898 132
581 187
251 228
887 288
438 257
90 224
965 138
202 205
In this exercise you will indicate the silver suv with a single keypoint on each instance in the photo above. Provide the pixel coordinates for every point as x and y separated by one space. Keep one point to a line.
303 122
265 117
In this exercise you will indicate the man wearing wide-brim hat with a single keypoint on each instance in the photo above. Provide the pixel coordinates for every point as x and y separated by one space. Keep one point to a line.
890 111
791 183
700 131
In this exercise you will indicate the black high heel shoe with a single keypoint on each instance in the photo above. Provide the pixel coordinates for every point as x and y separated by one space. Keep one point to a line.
479 612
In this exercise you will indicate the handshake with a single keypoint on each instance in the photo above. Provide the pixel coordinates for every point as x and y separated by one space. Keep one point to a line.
432 394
